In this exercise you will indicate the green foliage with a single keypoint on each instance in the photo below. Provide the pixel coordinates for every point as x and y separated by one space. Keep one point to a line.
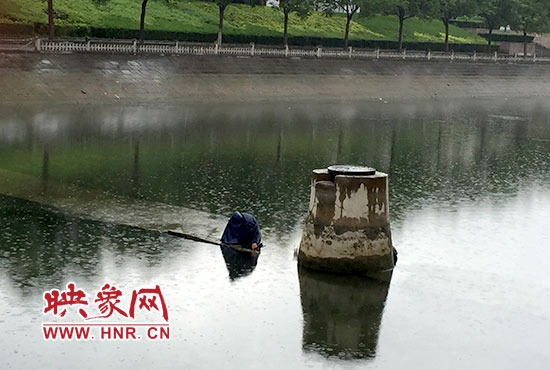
468 23
531 15
403 9
496 12
201 18
300 7
222 4
451 9
349 7
506 37
297 41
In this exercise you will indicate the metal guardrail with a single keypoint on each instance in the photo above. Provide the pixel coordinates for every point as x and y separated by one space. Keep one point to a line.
17 43
177 48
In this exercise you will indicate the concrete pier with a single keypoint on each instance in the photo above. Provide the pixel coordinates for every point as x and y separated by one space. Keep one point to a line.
347 229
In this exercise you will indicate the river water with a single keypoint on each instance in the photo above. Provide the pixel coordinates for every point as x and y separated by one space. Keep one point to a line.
469 203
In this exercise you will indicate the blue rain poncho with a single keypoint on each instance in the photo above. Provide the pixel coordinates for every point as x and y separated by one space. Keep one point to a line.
243 230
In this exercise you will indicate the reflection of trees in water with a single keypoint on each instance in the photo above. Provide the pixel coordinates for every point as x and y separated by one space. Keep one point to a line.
342 314
279 143
38 245
259 158
135 170
45 164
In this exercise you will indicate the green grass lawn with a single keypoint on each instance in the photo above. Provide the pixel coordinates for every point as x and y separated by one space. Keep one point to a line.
202 17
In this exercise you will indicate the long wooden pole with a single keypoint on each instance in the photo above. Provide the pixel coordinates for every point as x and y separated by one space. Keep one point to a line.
240 248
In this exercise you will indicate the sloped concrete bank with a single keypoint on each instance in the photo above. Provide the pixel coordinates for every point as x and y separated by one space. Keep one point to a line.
96 78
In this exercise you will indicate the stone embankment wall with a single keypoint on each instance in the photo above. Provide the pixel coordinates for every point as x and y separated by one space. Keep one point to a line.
37 77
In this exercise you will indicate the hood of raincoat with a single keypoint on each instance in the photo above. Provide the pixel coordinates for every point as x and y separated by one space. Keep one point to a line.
242 229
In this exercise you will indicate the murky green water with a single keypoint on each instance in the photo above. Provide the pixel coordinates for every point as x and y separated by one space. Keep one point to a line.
470 206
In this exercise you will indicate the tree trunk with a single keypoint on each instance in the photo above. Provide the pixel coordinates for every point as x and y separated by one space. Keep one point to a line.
142 21
220 26
490 34
400 38
50 20
446 22
346 35
525 44
285 34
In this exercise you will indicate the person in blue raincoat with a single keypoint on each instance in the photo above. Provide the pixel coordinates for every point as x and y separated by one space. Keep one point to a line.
243 230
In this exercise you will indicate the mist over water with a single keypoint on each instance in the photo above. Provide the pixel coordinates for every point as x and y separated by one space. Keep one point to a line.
469 201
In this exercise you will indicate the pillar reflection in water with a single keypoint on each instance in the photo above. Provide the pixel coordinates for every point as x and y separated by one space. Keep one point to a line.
342 314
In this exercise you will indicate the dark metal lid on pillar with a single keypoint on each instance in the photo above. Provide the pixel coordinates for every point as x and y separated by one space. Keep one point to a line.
350 170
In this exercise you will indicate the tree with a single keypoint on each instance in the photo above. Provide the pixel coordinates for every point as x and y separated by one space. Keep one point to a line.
350 7
142 17
403 10
495 13
531 16
450 9
301 7
222 4
142 21
51 34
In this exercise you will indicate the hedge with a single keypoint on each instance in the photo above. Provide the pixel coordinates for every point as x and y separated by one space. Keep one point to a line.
16 29
469 24
304 41
506 37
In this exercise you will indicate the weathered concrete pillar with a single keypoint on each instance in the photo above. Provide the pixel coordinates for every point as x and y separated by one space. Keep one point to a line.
347 229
